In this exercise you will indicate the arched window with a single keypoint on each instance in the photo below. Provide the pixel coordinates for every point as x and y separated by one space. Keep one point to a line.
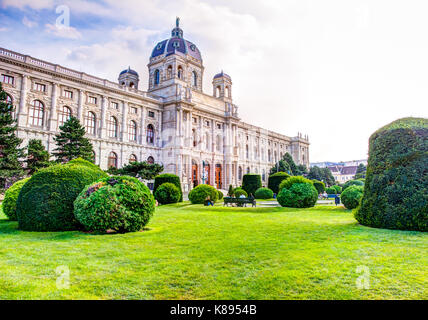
37 113
269 156
132 130
248 169
131 85
112 160
90 122
208 142
112 127
195 141
240 173
228 91
195 79
180 72
218 143
169 72
150 134
218 91
64 115
150 160
247 152
9 99
264 175
157 77
132 158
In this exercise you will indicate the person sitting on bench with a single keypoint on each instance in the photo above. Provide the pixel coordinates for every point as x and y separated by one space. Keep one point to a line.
209 202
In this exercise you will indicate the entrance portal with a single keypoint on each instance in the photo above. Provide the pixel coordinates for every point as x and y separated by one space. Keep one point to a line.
218 182
194 174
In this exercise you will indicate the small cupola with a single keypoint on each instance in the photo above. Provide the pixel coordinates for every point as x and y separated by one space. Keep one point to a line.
129 78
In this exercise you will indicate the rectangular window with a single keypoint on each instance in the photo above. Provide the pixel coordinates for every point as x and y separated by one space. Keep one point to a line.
218 125
207 123
40 87
195 120
151 114
92 100
68 94
133 110
6 79
115 105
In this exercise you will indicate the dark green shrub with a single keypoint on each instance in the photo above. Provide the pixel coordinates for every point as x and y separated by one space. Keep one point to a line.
292 180
275 180
338 189
251 182
168 177
319 185
352 183
11 197
198 194
119 203
167 193
45 202
220 195
396 188
239 191
331 190
263 193
230 191
299 195
351 196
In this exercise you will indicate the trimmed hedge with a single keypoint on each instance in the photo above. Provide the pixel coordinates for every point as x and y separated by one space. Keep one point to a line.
396 188
167 193
299 195
292 180
119 203
220 195
338 189
45 202
263 193
239 191
319 185
351 197
168 177
198 194
331 190
251 182
275 180
352 183
11 197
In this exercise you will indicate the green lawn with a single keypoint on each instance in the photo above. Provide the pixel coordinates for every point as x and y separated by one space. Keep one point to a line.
193 252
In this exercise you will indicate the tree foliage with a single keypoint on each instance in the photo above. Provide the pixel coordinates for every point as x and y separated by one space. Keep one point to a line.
11 154
72 143
321 174
142 170
37 156
361 172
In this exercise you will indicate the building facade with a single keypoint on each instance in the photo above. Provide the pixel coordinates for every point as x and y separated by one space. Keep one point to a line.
195 135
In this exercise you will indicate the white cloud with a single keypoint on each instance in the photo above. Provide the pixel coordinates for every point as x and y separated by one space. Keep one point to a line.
3 29
29 23
62 31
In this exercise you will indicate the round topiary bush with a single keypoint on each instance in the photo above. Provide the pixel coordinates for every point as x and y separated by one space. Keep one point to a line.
167 193
299 195
168 177
351 196
263 193
331 190
352 183
220 195
251 182
292 180
396 188
45 202
119 203
11 197
198 194
319 185
275 180
239 191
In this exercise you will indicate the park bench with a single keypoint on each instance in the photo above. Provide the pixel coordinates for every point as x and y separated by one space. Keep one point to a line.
240 202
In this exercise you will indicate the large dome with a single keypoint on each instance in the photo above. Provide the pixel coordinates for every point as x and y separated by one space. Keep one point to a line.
176 44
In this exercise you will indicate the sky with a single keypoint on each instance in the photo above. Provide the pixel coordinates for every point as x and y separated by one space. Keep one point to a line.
334 70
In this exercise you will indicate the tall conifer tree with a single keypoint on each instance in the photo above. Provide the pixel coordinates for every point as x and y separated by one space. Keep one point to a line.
37 156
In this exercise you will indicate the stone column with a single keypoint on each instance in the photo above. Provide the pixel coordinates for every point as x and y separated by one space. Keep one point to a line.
80 107
103 124
22 111
160 133
124 132
143 126
53 114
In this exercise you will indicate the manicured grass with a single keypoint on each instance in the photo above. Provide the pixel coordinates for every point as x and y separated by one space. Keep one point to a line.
194 252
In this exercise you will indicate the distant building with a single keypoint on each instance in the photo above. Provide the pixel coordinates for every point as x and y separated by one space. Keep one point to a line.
342 171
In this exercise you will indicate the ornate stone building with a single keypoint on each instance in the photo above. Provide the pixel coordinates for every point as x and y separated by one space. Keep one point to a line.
197 136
